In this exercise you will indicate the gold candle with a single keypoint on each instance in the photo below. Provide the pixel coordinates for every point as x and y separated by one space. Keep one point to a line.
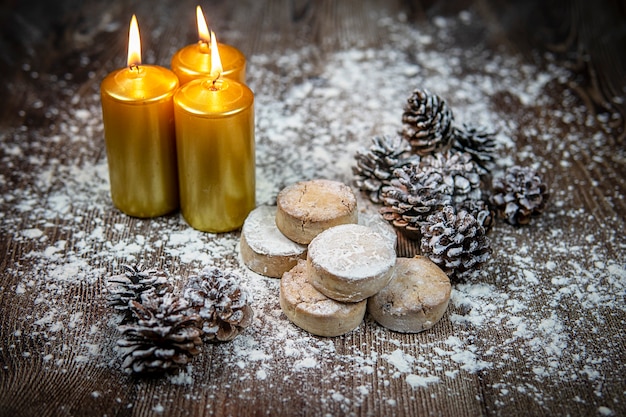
138 116
215 145
194 61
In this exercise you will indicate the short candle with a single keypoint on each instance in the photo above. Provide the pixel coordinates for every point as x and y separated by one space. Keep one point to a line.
216 151
138 117
194 61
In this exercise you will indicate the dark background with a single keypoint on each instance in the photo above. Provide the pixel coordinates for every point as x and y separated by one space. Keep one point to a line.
589 36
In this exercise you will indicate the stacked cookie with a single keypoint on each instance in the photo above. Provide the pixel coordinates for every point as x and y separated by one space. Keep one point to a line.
349 266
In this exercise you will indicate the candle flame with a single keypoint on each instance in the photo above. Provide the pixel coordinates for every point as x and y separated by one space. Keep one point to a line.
216 62
134 44
203 29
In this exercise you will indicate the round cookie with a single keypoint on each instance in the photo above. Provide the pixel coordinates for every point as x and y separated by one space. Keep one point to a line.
264 249
415 299
350 262
311 310
307 208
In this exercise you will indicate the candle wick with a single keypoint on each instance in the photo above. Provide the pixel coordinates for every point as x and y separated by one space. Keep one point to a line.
216 83
204 46
134 67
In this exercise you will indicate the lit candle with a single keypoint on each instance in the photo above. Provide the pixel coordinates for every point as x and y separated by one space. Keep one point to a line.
194 61
138 116
215 144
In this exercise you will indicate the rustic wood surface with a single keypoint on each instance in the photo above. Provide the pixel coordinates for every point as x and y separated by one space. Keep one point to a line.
54 54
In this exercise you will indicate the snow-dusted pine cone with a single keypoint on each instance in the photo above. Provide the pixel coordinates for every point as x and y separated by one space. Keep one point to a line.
455 241
483 213
164 335
134 282
220 302
519 195
375 165
427 122
459 172
479 142
413 194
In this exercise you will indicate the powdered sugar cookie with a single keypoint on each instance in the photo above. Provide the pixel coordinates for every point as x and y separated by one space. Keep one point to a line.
350 262
307 208
264 249
415 299
311 310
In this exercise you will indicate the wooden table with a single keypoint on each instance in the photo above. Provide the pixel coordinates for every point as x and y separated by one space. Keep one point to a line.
538 330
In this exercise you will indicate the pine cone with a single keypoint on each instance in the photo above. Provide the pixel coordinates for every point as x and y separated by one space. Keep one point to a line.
455 241
519 195
163 337
460 174
413 194
130 285
479 142
427 122
375 165
220 302
449 178
484 214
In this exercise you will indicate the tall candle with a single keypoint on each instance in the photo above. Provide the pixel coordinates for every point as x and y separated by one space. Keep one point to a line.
215 144
194 61
138 116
